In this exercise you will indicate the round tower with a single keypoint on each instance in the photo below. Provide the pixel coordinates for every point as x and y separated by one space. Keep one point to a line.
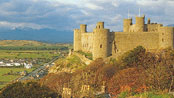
83 28
148 21
77 40
140 24
126 24
166 37
101 42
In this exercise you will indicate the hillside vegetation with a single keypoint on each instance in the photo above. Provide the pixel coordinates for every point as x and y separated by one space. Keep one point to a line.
69 64
27 90
137 73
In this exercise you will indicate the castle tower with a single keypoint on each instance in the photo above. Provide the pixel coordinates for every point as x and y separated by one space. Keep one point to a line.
77 40
83 28
101 44
77 37
166 37
148 22
140 24
126 24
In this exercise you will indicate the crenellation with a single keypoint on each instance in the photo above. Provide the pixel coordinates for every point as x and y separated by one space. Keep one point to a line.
102 43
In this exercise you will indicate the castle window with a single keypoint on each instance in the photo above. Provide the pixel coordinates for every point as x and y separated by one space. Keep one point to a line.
162 33
100 46
99 27
162 40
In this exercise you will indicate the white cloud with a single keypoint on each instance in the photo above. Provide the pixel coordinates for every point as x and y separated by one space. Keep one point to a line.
150 2
93 6
86 13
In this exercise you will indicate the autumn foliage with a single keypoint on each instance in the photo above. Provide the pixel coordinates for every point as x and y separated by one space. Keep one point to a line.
131 80
27 90
138 71
56 81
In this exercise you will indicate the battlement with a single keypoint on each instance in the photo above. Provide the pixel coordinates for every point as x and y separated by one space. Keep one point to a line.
102 43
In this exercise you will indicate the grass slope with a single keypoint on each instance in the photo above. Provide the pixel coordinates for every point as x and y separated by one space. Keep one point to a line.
68 64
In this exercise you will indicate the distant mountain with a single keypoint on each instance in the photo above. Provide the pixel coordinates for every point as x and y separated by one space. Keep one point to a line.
45 35
171 25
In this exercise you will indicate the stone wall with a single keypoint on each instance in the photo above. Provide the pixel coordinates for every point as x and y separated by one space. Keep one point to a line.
124 42
83 58
87 42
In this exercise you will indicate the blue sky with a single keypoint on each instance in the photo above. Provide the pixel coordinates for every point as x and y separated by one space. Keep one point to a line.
69 14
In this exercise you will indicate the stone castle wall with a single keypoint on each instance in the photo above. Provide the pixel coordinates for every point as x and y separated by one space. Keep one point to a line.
87 42
125 41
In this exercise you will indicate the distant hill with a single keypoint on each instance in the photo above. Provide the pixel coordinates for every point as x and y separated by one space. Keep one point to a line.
45 35
22 43
27 43
171 25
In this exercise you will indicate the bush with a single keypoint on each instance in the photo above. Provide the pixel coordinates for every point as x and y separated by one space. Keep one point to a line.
105 73
27 90
56 81
127 80
132 57
159 77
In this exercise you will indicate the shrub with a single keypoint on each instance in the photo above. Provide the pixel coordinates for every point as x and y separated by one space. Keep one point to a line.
132 57
130 80
56 81
27 90
158 76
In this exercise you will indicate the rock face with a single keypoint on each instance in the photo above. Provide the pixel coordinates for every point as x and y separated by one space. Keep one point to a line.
102 43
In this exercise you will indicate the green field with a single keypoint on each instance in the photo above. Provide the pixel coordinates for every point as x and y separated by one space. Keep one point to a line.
5 79
29 54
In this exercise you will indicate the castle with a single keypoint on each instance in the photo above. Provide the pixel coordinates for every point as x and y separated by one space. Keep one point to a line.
102 43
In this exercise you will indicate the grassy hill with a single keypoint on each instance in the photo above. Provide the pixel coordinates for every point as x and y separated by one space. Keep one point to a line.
23 43
31 45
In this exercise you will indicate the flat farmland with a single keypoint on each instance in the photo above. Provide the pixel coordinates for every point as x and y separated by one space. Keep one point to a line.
28 54
5 78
